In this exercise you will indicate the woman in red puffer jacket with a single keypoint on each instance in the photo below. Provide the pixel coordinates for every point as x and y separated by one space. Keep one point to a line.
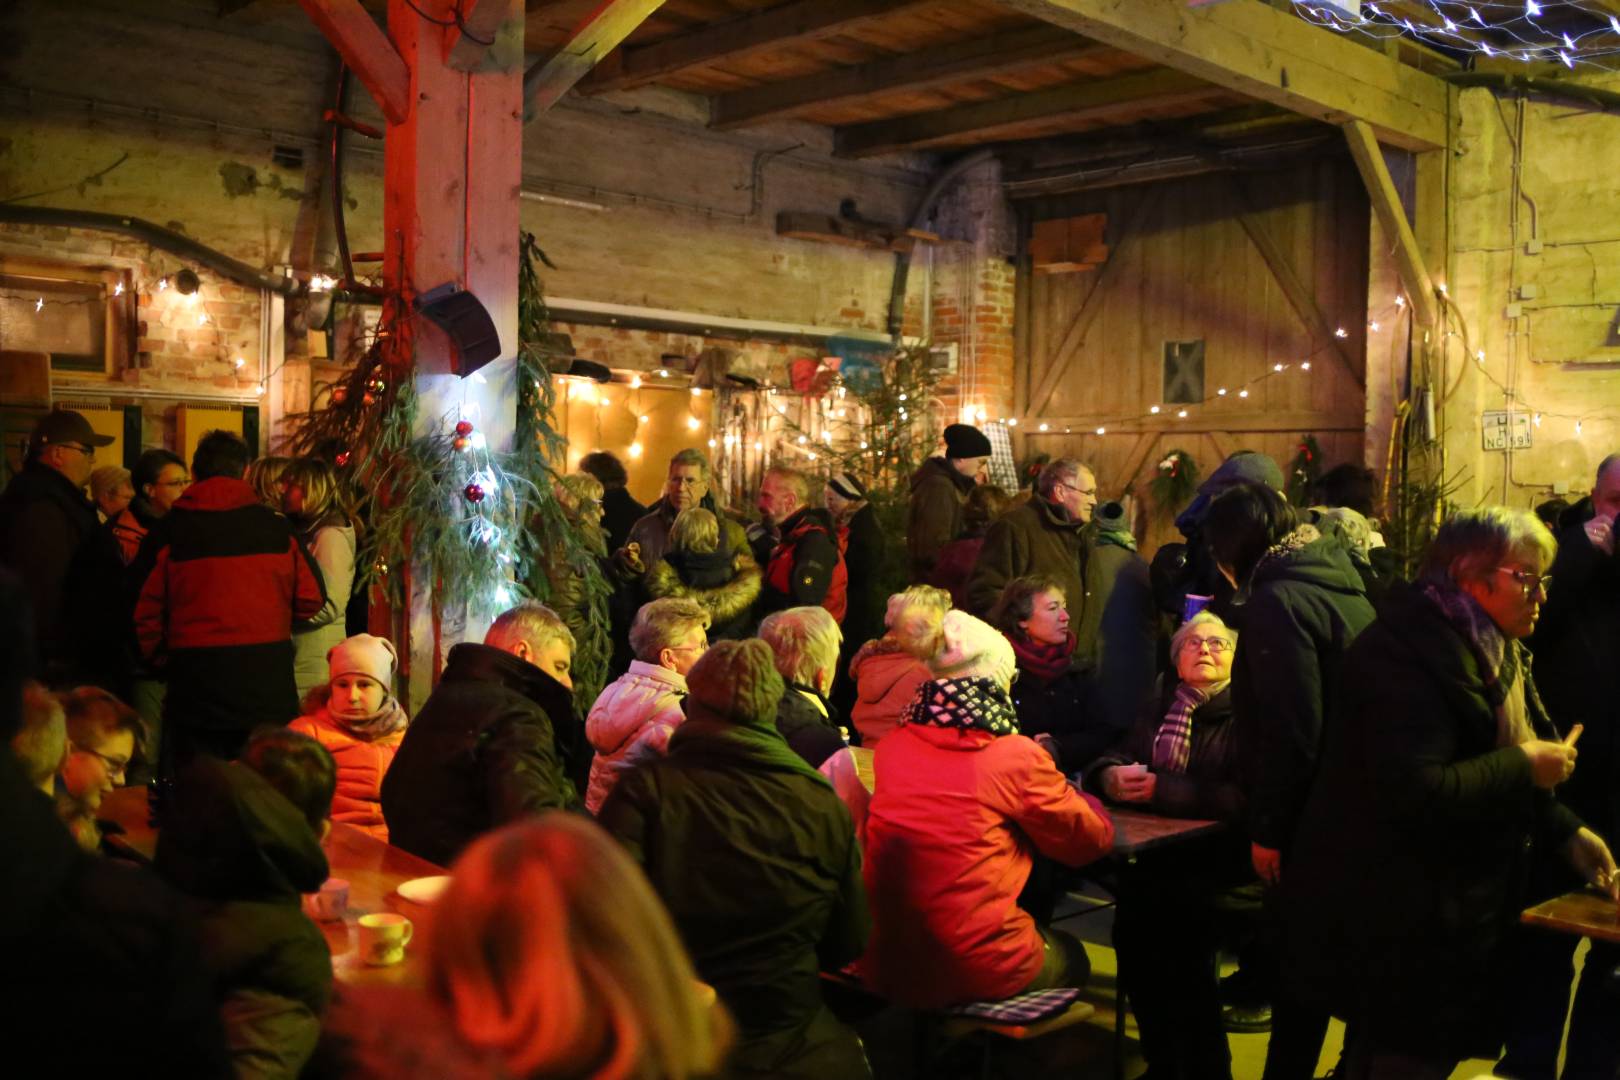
356 717
961 804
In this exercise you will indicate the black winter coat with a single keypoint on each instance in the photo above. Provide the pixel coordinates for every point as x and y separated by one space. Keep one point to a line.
1299 613
938 495
496 740
1577 667
863 558
809 732
1411 860
52 540
1212 786
755 857
620 512
1065 708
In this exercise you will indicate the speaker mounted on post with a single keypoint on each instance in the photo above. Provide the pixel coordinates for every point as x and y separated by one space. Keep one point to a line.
460 314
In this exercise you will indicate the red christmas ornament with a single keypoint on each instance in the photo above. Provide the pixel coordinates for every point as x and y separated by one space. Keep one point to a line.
464 428
459 443
340 394
368 400
474 493
343 458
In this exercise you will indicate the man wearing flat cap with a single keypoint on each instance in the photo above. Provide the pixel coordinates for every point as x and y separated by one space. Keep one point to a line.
49 533
939 490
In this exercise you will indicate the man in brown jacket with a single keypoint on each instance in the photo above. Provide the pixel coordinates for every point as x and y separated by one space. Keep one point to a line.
939 489
1105 581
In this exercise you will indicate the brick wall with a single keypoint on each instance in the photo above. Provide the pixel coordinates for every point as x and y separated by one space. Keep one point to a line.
973 309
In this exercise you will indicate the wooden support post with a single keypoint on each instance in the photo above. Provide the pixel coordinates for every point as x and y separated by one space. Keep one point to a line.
600 33
1386 203
367 50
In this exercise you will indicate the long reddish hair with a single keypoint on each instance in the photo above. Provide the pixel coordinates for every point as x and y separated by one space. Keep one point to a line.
555 953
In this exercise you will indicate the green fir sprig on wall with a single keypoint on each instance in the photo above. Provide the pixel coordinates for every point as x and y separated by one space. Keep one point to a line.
1304 471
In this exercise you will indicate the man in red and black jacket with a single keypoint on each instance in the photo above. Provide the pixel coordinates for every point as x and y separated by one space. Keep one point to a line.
216 611
805 569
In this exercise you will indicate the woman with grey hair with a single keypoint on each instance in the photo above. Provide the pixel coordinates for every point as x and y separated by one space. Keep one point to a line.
1182 758
1435 791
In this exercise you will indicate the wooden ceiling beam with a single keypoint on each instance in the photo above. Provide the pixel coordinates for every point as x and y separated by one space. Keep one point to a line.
1269 55
984 121
772 28
1387 205
476 30
595 37
368 52
976 58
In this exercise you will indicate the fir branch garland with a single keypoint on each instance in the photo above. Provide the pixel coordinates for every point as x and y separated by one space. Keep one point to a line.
1305 471
1174 482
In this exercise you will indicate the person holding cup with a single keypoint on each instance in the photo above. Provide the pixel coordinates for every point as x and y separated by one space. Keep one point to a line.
1181 759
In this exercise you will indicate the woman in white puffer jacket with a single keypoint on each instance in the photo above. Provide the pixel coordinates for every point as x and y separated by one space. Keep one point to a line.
635 715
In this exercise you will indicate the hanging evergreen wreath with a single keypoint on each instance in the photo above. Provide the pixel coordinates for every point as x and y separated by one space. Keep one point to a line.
1304 472
1174 482
477 522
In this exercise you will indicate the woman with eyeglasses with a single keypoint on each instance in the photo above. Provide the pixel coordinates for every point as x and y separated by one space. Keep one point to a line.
1434 793
103 735
1181 759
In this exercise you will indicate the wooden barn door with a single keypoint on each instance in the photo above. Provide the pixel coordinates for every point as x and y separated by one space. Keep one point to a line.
1262 269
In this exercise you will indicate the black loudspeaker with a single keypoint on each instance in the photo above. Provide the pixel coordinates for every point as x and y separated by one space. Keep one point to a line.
467 322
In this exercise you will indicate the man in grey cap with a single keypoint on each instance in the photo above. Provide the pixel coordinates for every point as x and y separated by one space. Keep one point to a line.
49 537
939 490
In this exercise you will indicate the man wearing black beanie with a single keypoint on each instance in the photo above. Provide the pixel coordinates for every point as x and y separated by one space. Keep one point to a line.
939 490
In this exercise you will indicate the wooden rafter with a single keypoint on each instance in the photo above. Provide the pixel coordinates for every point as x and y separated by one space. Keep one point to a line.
367 51
477 28
1296 292
1063 356
1386 203
773 28
1424 17
597 35
1269 55
982 121
976 58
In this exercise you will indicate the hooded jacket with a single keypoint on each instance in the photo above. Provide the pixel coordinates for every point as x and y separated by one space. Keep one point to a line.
227 583
495 741
730 603
955 818
1298 612
755 857
806 567
862 543
938 494
631 723
1106 588
886 682
243 854
1411 863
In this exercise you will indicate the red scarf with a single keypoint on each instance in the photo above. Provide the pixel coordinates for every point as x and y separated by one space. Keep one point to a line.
1044 662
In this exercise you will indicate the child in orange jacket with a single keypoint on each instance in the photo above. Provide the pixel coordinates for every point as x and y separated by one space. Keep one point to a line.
356 716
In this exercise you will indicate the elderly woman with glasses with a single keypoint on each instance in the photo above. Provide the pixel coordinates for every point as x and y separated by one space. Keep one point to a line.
1181 759
1435 792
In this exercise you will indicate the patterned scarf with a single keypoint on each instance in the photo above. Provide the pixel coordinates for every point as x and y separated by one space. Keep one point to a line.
970 703
385 721
1498 659
1172 746
1044 662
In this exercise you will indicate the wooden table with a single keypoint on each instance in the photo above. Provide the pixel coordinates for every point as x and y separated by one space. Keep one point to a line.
1586 913
372 868
1136 831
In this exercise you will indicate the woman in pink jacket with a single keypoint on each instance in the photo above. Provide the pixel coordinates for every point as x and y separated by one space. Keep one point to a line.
961 804
888 670
356 716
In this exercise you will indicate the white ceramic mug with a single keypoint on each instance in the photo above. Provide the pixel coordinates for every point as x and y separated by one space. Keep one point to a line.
331 903
383 937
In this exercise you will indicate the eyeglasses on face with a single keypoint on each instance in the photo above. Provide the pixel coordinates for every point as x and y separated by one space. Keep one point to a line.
1531 582
115 766
1216 646
87 451
180 483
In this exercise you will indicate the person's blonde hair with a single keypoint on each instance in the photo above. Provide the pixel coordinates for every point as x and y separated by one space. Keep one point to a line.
695 530
530 621
264 477
319 484
661 624
576 489
557 939
40 744
805 641
913 618
107 479
797 482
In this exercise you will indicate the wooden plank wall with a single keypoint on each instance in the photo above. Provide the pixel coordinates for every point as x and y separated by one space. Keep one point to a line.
1189 268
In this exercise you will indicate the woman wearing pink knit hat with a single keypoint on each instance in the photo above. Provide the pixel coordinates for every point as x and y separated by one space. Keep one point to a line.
356 716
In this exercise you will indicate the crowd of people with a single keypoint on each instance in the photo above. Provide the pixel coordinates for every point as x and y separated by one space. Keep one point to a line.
1392 786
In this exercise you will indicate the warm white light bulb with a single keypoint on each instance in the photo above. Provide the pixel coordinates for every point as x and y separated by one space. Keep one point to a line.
238 362
1341 332
1221 392
1243 393
1102 431
1154 410
1012 421
692 423
1043 427
1181 414
635 449
635 382
1305 365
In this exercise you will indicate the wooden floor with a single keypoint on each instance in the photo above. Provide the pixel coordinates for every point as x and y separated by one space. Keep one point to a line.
1084 1052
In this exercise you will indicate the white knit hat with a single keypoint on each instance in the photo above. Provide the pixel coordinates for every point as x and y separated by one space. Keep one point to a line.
364 654
974 648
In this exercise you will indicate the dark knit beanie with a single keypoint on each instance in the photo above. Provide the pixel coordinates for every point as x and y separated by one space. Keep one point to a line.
966 441
737 682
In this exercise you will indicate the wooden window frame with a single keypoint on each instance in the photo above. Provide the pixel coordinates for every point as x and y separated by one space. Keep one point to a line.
121 329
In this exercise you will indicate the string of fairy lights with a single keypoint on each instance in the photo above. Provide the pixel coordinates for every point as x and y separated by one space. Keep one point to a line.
1515 30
